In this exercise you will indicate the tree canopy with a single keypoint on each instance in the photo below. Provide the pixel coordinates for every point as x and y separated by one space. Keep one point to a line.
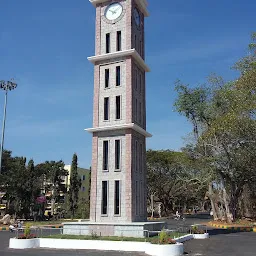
223 118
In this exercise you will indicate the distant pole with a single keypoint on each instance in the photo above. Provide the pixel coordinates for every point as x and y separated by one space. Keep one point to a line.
6 86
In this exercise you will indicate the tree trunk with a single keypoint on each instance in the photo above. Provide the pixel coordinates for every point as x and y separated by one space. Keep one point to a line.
235 194
152 205
247 202
211 196
184 208
52 206
227 202
228 215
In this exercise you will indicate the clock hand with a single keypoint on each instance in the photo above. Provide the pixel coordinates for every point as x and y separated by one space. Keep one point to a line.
117 9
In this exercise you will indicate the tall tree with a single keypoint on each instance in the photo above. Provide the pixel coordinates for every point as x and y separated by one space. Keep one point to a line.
223 117
175 180
13 181
75 184
248 62
55 174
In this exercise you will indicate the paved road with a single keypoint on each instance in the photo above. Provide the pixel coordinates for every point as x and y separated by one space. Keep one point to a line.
222 243
189 220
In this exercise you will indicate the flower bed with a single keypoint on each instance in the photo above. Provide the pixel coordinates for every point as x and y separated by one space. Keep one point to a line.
162 245
199 233
144 247
25 236
165 245
163 239
159 246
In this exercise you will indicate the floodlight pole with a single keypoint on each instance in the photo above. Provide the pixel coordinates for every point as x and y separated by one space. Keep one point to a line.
6 86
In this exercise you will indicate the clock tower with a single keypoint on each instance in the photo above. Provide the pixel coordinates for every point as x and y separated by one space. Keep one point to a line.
118 178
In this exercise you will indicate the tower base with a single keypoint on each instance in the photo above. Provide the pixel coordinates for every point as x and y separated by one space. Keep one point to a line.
133 229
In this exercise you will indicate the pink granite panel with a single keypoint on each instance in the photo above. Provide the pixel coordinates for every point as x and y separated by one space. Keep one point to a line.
129 90
94 168
98 32
96 96
102 230
129 5
128 178
139 176
143 38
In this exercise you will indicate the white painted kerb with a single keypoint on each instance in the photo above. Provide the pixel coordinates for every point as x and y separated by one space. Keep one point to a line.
24 243
201 236
165 249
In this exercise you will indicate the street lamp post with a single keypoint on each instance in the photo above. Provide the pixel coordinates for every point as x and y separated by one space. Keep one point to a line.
6 86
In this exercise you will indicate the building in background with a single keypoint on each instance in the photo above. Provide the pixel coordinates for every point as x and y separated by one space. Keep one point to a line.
84 175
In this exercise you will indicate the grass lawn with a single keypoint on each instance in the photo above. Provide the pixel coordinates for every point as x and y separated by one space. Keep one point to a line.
111 238
44 223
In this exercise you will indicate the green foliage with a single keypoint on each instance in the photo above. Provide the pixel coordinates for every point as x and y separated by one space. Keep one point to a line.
224 121
75 184
113 238
19 182
27 230
176 179
192 104
163 236
83 210
94 235
23 183
196 230
248 63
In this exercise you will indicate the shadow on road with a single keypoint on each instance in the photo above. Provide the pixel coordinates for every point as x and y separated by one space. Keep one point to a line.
201 216
214 232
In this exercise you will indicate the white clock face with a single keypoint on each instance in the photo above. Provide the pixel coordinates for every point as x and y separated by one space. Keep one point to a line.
113 11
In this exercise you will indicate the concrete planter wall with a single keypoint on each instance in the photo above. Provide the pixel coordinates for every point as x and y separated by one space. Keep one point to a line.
165 249
201 236
184 238
93 245
151 249
15 243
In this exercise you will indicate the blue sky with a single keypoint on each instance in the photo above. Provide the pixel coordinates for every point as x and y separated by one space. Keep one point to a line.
44 45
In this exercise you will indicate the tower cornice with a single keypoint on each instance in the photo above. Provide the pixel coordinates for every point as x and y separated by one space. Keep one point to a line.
141 3
132 126
120 54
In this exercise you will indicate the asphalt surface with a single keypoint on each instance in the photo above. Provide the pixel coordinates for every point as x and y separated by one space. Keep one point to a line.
187 222
221 243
